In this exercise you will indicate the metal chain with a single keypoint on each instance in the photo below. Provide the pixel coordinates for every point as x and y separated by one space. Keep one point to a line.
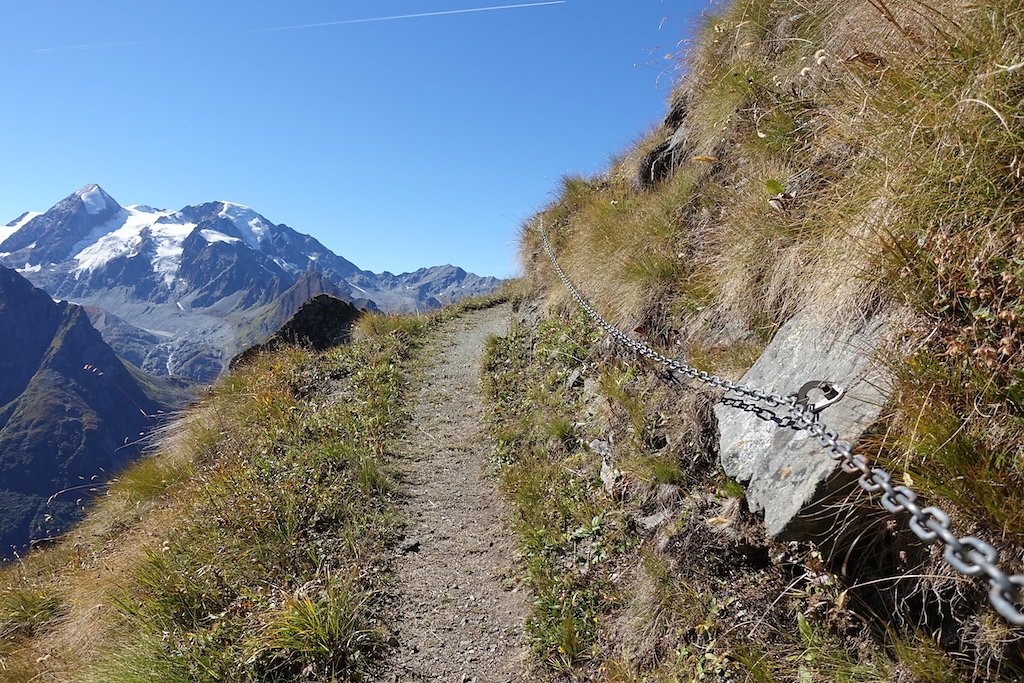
968 555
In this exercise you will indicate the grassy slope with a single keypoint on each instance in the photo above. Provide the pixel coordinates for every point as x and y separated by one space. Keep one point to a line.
249 548
894 132
252 545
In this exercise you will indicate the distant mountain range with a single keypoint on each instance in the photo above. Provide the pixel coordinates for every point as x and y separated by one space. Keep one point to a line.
181 292
71 412
130 306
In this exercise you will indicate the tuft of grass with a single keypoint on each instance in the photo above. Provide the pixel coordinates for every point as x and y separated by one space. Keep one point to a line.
27 611
917 655
614 385
730 488
657 470
147 661
324 627
952 450
385 324
725 359
151 477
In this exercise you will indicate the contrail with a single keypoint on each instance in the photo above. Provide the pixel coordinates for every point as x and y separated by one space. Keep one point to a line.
297 27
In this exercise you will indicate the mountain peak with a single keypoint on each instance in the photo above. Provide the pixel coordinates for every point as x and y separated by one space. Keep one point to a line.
95 199
253 227
60 232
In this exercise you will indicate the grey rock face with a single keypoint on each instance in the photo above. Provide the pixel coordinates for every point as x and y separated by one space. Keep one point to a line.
320 323
785 470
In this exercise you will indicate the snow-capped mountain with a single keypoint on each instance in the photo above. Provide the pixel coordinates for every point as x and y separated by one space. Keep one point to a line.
194 278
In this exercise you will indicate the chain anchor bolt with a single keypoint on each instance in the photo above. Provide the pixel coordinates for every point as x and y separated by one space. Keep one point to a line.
833 393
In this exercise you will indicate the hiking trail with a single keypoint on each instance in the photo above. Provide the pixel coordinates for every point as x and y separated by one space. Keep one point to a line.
460 610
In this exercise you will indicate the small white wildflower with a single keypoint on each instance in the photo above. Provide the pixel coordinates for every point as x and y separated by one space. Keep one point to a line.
806 71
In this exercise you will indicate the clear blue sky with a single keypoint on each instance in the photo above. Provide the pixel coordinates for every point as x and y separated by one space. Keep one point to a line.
397 143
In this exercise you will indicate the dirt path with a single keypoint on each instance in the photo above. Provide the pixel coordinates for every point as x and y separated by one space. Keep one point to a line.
460 615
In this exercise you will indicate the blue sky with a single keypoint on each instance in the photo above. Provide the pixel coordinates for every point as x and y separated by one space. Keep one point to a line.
397 143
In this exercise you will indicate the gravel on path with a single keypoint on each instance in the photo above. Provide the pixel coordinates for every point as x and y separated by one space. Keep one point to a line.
460 610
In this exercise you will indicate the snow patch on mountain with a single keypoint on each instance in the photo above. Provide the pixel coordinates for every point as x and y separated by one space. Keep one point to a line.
99 231
212 236
252 226
160 232
169 238
16 225
92 197
126 240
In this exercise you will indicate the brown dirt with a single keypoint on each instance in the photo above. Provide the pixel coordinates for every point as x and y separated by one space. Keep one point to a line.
461 612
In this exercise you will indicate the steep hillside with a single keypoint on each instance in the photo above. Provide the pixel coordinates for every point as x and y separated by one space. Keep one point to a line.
71 413
834 194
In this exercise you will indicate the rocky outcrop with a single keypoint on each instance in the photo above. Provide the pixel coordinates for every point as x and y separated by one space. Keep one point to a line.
320 323
660 162
663 159
785 471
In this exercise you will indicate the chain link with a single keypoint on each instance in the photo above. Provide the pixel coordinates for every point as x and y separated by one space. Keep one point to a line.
968 555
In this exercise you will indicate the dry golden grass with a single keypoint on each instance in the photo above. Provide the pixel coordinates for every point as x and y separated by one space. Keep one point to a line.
828 107
221 509
89 567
